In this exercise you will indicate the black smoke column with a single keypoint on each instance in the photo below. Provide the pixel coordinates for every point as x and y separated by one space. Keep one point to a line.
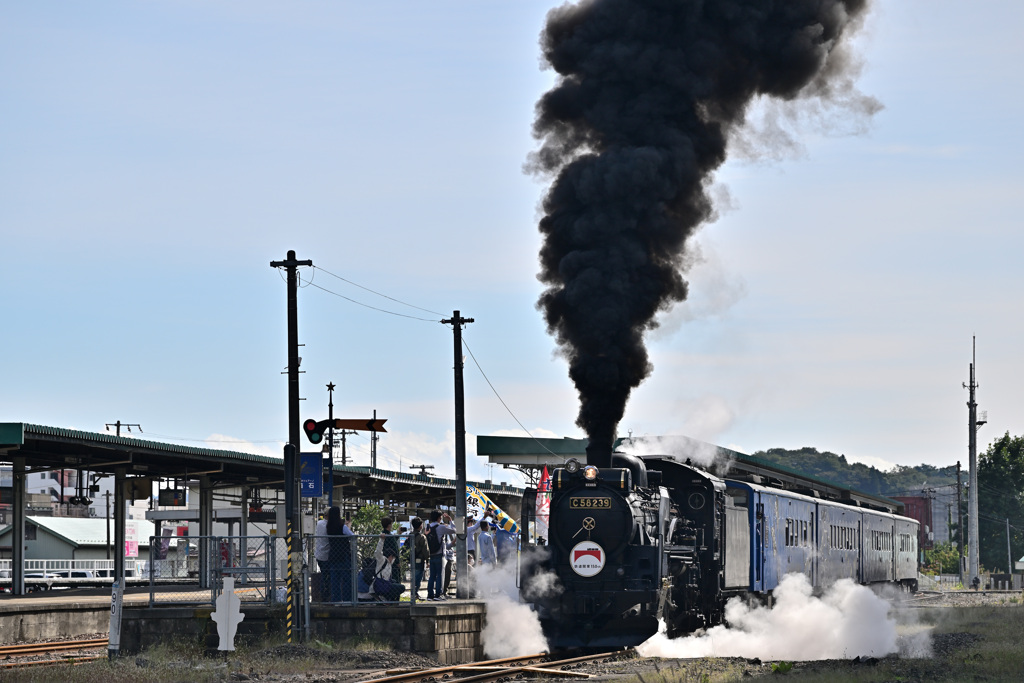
648 92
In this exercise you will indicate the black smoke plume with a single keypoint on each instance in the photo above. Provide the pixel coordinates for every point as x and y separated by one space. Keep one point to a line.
647 95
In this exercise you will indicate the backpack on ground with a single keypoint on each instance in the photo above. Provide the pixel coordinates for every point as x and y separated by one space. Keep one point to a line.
433 542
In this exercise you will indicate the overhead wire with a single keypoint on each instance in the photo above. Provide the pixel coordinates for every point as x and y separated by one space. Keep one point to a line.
486 379
412 317
391 298
375 308
182 438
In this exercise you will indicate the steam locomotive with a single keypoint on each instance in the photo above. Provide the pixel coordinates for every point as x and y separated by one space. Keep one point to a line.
654 538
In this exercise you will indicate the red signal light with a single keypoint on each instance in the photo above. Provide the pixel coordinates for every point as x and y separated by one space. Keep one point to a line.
314 430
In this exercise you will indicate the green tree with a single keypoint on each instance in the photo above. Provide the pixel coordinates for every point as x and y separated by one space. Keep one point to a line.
366 521
1001 497
942 559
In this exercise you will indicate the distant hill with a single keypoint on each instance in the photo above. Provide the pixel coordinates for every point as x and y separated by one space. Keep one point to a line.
835 468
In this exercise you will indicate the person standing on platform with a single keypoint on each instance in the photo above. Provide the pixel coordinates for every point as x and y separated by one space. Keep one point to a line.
322 553
421 554
473 528
337 556
486 545
439 529
390 548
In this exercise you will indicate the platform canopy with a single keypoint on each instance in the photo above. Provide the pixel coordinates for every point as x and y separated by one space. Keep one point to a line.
534 453
529 452
54 448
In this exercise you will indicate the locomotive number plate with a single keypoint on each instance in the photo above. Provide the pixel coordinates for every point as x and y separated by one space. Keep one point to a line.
590 503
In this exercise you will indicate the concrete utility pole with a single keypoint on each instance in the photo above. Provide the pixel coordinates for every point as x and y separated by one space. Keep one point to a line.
330 444
292 477
973 565
461 563
373 444
1009 555
960 524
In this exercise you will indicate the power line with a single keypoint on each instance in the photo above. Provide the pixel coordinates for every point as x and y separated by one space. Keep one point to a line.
477 363
412 317
391 298
182 438
374 308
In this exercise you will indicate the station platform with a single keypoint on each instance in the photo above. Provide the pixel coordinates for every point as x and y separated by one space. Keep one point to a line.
449 631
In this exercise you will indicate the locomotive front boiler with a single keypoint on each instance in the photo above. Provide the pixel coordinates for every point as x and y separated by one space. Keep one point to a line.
605 550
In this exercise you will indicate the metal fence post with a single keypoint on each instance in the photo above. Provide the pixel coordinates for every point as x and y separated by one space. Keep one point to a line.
152 582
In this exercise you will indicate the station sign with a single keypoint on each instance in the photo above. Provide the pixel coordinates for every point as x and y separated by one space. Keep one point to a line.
311 474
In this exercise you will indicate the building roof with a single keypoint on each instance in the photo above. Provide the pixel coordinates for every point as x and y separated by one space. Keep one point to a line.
81 531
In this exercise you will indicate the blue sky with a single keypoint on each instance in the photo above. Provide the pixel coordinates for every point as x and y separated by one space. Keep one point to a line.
155 157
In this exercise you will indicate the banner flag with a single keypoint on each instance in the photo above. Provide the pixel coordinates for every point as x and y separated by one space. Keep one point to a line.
500 518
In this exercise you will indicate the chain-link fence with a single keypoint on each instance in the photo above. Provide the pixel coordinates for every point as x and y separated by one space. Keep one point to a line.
335 569
354 569
193 571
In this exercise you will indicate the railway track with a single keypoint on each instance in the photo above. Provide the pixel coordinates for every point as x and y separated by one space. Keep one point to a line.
25 654
497 670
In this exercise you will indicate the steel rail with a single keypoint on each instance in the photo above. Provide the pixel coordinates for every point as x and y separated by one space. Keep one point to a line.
39 648
72 661
440 672
494 672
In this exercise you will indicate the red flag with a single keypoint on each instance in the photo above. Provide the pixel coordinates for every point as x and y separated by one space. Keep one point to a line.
545 481
543 504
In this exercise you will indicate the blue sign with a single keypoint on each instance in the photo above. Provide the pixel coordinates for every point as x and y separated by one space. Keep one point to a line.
311 470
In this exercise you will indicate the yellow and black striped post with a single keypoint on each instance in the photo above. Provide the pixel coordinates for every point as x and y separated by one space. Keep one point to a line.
289 611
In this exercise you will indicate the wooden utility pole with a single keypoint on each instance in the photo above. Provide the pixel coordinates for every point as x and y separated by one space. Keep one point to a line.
461 564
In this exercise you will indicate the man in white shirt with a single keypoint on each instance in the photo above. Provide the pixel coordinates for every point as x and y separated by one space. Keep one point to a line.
486 543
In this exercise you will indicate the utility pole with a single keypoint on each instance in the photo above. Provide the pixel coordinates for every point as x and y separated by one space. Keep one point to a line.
1009 555
960 524
292 477
120 424
107 494
461 563
373 444
973 423
423 469
344 454
330 444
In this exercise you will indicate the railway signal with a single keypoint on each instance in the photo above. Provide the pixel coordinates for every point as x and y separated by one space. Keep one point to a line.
315 430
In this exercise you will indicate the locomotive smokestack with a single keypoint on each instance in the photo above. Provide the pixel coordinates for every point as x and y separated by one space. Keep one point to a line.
647 96
599 455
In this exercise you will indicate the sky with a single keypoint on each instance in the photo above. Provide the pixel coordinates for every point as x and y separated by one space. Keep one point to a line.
155 157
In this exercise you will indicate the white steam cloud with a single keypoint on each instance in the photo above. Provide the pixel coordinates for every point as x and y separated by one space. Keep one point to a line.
512 628
682 448
848 621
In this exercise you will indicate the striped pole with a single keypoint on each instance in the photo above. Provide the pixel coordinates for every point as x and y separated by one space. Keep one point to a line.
289 615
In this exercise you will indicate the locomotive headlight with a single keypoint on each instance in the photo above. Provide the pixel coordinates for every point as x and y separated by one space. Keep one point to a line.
572 465
590 473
